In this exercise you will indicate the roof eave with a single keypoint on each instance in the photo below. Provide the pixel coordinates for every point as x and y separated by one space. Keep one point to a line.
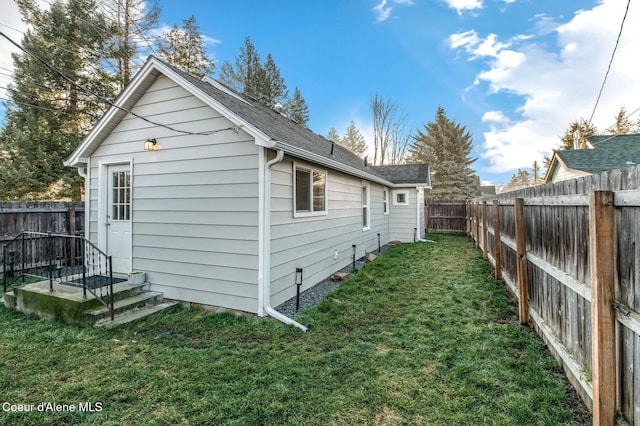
332 164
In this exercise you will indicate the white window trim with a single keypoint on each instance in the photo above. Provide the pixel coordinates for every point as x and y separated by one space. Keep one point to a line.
312 170
385 201
406 197
366 204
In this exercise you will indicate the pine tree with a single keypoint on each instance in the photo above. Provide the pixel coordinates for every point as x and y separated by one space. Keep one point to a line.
271 84
446 146
47 114
297 108
521 179
353 140
247 76
333 135
185 48
131 22
583 127
263 82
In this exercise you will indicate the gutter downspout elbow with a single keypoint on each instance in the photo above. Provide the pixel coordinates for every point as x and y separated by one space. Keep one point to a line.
266 282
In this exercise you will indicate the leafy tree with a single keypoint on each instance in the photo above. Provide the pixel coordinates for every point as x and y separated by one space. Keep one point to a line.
185 48
390 141
519 180
297 108
446 146
353 140
48 114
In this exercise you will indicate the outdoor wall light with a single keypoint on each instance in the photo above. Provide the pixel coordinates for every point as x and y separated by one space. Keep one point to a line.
150 145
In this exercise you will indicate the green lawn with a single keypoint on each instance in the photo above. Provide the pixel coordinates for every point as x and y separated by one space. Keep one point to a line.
423 335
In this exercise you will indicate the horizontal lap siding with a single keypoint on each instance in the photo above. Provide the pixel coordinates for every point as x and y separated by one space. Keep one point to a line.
310 243
403 218
195 199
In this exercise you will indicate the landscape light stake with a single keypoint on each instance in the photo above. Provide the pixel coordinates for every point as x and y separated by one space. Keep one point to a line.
298 285
378 243
354 258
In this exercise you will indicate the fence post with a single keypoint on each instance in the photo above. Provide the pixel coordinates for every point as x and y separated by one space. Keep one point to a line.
485 232
497 250
521 261
477 215
601 251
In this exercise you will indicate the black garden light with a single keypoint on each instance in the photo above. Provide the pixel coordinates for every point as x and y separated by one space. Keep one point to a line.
354 258
298 284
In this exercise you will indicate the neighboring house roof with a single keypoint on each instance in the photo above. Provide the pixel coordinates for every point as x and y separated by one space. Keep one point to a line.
270 128
608 152
416 174
487 190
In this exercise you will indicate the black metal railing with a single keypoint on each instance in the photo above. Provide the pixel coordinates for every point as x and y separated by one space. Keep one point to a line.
64 259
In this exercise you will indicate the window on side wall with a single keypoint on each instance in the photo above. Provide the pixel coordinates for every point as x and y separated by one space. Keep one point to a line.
366 213
309 191
400 198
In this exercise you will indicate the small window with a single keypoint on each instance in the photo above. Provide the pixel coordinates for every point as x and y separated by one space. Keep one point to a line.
401 198
365 207
310 192
385 201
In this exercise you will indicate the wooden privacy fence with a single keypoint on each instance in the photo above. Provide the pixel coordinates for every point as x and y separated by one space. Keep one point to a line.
446 216
569 252
59 217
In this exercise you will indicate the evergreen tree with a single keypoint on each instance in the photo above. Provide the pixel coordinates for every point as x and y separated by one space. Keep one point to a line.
353 140
47 114
271 84
521 179
446 146
248 76
184 48
297 108
263 82
584 129
130 21
333 135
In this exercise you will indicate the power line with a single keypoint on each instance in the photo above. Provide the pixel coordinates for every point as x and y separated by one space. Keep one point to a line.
102 98
615 48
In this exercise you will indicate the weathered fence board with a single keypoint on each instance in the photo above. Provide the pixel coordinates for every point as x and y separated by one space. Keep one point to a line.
559 272
59 217
446 216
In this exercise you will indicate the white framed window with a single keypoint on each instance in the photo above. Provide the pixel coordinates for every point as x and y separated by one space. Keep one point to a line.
366 212
401 198
309 191
385 201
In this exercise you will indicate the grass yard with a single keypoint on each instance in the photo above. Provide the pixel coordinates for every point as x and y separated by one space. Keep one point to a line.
423 335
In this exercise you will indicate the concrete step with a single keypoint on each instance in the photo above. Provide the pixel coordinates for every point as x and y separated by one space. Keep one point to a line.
135 314
91 316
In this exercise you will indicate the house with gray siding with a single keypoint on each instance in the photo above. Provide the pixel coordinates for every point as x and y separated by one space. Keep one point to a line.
220 199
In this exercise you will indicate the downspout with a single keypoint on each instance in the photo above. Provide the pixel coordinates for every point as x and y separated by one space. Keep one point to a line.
84 174
418 237
266 269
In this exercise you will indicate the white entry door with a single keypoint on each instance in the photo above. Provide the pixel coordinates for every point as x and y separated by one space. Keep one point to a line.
119 218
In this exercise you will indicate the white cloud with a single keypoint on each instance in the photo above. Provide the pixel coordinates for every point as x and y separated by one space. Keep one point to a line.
383 10
13 27
556 84
462 5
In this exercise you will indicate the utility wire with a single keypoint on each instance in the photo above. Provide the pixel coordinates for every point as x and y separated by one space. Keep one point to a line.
610 61
102 98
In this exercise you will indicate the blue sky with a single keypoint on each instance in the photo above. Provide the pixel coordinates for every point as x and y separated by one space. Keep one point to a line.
514 72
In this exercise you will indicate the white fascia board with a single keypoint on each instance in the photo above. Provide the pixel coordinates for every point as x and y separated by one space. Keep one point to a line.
331 164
